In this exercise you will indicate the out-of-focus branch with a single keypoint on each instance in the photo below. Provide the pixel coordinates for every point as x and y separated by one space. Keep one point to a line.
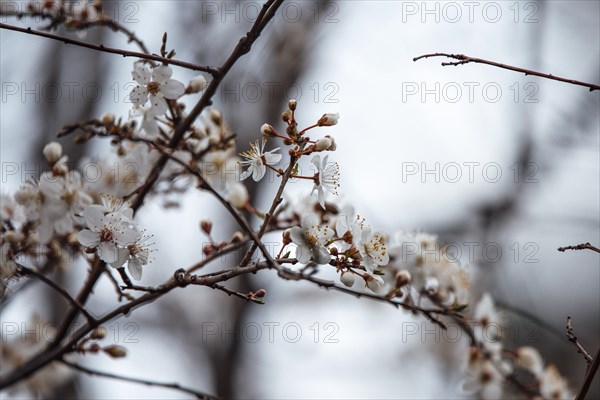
589 377
175 386
583 246
463 59
28 271
102 48
573 339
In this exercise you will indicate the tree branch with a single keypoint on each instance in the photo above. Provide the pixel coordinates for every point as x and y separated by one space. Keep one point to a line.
28 271
102 48
573 339
463 59
582 246
175 386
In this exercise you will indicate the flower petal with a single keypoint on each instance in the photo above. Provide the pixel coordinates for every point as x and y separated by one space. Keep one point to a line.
162 74
107 252
172 89
141 74
88 238
258 172
158 105
139 95
135 269
94 217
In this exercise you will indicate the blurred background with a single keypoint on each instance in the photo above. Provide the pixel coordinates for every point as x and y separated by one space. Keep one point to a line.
502 165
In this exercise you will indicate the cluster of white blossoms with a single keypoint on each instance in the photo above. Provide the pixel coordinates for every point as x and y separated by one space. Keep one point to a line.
62 210
489 364
113 234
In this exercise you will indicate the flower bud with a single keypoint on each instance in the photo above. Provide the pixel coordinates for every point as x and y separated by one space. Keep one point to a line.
267 130
238 195
206 226
285 116
375 283
98 333
115 351
329 119
287 236
237 237
108 119
323 144
216 116
292 104
347 278
402 278
52 152
197 84
13 237
529 358
260 293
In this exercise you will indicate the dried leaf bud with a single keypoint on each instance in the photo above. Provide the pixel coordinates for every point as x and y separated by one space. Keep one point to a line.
206 226
108 119
237 237
208 249
115 351
197 84
52 152
347 278
267 130
402 278
329 119
323 144
353 253
292 104
348 237
333 251
98 333
216 116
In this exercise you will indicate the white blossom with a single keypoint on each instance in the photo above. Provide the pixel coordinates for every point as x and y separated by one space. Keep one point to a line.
257 159
107 232
326 178
155 86
311 240
553 385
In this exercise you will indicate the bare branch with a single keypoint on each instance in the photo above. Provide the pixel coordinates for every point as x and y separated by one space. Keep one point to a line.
102 48
28 271
583 246
175 386
573 339
463 59
589 377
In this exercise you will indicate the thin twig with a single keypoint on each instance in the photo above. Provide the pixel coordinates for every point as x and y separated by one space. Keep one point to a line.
61 291
175 386
463 59
112 50
573 339
583 246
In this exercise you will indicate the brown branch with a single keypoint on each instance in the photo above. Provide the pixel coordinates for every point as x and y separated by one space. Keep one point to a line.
243 296
463 59
266 13
28 271
175 386
102 48
84 293
61 18
589 377
573 339
583 246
